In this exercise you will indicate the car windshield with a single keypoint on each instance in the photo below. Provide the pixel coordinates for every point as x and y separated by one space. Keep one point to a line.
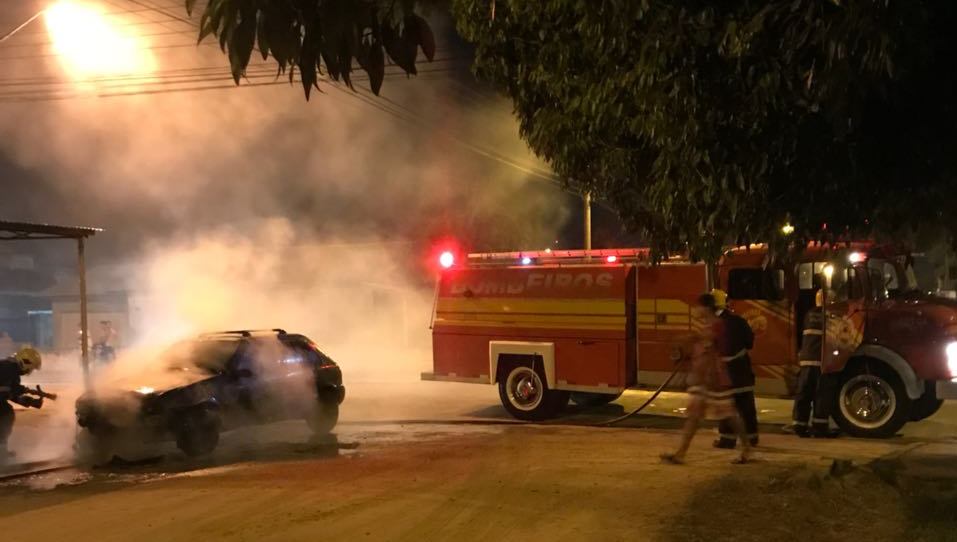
210 356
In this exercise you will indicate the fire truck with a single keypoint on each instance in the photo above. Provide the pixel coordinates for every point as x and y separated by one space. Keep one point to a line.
552 326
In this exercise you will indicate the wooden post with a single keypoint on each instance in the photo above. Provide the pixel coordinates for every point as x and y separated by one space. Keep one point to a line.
84 324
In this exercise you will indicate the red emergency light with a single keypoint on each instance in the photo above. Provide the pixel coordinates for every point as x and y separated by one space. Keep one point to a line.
611 258
447 259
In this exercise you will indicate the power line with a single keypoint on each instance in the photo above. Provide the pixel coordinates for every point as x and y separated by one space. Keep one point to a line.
187 81
20 27
413 117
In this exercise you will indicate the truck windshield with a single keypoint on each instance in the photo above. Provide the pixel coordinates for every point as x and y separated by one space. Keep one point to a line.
889 278
924 274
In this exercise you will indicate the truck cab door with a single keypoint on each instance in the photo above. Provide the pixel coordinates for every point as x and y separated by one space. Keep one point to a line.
758 295
846 310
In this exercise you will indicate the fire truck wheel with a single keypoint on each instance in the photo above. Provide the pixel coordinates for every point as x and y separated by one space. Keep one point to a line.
872 401
584 399
927 404
525 394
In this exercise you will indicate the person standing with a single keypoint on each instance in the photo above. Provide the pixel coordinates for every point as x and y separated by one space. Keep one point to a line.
24 362
708 385
733 344
7 346
809 375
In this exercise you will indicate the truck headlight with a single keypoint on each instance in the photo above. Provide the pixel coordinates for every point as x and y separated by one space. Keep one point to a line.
952 359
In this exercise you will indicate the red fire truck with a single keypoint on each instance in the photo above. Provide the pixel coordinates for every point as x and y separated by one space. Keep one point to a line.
551 326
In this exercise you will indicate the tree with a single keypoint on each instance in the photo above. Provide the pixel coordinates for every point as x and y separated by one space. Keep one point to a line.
707 123
310 34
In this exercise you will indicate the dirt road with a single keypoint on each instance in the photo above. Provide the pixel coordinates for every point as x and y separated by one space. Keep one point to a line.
497 482
493 480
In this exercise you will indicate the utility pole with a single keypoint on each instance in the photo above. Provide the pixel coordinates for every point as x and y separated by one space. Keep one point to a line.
587 200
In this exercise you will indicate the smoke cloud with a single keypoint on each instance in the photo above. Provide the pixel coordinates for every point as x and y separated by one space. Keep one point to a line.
250 208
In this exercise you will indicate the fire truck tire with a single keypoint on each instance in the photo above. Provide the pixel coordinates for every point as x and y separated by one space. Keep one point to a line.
585 399
926 405
525 395
871 401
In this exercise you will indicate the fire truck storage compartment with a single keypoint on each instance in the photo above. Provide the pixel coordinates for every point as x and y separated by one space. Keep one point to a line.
586 311
666 295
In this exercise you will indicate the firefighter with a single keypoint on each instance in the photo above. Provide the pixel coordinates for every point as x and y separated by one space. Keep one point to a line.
708 385
809 361
24 362
735 341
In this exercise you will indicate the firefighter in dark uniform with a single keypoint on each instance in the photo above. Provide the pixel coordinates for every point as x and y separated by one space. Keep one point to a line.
733 347
24 362
809 360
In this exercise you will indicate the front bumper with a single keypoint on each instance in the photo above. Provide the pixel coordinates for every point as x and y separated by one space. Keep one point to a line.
946 389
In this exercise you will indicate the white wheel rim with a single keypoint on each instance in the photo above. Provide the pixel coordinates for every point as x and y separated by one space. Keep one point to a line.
524 388
867 401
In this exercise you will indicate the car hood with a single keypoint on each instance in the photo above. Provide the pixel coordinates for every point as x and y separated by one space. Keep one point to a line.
155 382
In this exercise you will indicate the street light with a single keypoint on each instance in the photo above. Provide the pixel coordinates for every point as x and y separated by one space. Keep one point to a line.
88 44
787 229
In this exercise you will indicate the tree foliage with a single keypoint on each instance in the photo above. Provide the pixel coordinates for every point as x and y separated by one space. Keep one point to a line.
312 34
706 123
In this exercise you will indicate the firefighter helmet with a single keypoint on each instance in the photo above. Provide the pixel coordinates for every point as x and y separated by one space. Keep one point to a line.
720 298
29 360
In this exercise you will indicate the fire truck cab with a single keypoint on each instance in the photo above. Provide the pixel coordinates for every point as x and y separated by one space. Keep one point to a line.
546 327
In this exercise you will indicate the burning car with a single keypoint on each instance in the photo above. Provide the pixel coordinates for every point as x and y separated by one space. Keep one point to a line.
213 383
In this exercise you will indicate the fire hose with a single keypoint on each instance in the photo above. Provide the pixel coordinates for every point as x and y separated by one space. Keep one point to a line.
654 395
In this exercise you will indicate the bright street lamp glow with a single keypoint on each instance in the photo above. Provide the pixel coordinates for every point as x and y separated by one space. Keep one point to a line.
787 229
88 44
855 257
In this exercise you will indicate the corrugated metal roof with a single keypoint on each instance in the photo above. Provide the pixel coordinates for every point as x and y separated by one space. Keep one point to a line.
10 231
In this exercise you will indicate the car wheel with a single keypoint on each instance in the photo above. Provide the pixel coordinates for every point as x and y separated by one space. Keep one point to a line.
91 448
585 399
525 395
871 401
323 418
198 433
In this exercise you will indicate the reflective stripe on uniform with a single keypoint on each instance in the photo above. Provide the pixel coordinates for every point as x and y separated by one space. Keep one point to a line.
813 332
743 352
796 422
820 420
735 391
809 363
